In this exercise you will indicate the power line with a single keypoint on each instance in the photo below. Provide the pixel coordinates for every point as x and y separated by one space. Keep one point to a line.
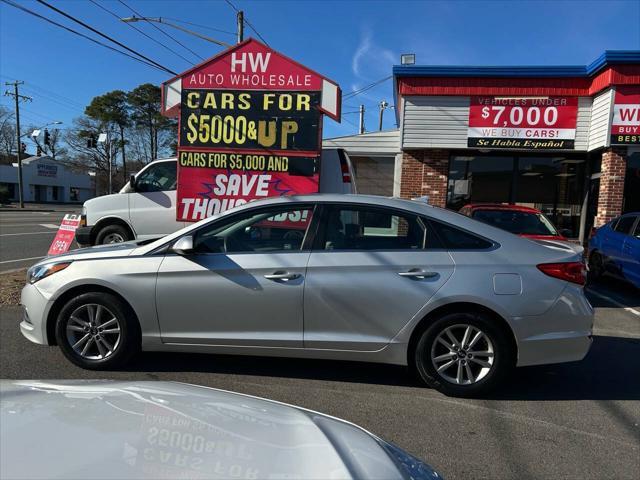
38 89
161 31
248 23
98 32
140 31
365 88
201 26
41 17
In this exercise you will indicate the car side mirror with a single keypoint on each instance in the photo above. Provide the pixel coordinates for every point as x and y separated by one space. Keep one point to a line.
132 182
184 245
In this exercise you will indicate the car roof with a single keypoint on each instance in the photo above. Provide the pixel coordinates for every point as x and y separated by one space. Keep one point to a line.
501 206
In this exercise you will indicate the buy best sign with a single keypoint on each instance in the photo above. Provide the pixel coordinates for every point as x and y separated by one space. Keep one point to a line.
537 123
250 125
625 124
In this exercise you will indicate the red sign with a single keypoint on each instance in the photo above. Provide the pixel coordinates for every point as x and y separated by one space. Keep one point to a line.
545 123
66 233
625 124
209 191
250 128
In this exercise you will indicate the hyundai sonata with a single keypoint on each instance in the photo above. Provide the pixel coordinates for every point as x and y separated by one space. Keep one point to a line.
344 277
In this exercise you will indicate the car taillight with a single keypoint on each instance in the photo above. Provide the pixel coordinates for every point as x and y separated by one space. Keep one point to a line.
574 272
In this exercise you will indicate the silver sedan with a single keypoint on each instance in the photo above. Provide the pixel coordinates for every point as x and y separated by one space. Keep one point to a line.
328 276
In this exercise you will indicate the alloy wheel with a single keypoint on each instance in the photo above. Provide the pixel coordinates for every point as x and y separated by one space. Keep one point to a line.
113 238
93 331
462 354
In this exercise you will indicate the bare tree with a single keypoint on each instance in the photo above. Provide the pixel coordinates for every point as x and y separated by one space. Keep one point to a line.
7 136
83 156
54 148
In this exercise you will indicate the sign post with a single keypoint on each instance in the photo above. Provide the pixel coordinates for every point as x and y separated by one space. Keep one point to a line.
250 126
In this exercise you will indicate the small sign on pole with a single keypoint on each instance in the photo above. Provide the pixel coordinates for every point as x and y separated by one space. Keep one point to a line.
66 233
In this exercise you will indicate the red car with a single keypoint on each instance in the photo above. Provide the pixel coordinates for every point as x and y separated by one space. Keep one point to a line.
524 221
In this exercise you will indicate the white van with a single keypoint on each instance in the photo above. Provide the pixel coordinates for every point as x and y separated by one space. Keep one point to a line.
145 208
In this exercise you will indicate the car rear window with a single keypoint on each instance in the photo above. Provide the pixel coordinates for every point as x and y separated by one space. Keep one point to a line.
624 224
456 239
520 223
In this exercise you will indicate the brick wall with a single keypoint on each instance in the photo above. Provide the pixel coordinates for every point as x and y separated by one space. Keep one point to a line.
424 172
611 185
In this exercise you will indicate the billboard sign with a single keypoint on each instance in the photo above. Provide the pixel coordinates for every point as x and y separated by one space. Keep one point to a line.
538 123
250 126
625 124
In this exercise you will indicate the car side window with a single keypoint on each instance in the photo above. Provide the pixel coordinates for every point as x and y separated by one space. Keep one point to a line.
366 228
278 229
161 177
624 224
457 239
636 232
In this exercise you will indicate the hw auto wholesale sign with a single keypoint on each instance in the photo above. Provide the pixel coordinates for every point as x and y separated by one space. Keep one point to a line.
250 128
625 124
544 123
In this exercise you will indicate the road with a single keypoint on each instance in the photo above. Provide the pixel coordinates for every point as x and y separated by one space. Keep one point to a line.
577 420
25 236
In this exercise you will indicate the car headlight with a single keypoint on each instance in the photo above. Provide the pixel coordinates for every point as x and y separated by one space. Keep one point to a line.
38 272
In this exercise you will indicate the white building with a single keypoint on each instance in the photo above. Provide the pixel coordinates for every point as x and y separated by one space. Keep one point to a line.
45 180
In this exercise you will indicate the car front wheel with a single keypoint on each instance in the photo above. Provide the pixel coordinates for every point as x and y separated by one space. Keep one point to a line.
96 331
112 234
463 354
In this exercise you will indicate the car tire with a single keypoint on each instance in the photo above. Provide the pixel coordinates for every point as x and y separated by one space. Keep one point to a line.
477 367
112 234
86 331
596 266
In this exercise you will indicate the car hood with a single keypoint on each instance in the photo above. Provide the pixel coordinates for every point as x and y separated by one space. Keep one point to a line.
112 250
104 429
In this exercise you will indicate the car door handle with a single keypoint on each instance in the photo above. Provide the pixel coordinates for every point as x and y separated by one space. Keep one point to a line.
282 276
417 273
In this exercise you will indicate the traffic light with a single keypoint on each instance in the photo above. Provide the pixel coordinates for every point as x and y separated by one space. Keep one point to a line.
23 147
92 142
47 137
39 151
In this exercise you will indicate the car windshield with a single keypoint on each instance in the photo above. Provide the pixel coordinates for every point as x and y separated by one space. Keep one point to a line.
520 223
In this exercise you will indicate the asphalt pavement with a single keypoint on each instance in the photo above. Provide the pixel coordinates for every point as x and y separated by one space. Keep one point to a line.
576 420
25 236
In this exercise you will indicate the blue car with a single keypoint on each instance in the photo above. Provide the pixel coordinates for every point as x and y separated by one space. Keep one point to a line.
615 249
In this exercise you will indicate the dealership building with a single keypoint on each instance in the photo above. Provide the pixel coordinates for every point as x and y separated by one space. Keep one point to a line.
563 139
46 180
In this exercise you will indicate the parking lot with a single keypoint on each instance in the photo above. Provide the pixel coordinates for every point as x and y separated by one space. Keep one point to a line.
578 420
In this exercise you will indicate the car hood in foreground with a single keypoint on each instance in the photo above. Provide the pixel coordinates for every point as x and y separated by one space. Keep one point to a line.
112 250
102 429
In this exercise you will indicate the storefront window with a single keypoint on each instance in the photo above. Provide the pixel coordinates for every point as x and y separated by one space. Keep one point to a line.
479 179
632 184
553 185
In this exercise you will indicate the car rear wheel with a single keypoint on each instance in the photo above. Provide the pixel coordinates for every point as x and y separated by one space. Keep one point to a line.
96 331
112 234
463 354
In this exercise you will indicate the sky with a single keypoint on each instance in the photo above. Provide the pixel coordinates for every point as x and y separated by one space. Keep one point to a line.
354 43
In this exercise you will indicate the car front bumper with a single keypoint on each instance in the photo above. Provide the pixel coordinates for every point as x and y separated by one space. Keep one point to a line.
83 236
35 308
562 334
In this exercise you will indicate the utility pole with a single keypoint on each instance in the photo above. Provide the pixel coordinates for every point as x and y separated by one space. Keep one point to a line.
240 17
383 105
17 98
361 123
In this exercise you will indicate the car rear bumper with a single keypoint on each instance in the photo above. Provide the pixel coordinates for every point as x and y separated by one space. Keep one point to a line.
562 334
35 308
